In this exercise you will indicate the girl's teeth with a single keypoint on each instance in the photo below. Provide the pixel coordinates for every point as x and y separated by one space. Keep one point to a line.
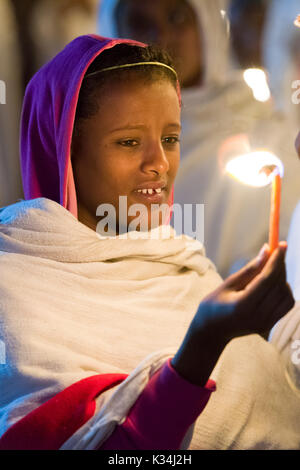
149 191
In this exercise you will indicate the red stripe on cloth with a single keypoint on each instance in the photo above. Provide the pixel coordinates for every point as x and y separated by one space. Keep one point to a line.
51 424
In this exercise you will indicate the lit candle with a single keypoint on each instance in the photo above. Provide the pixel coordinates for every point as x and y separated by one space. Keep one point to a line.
275 212
259 168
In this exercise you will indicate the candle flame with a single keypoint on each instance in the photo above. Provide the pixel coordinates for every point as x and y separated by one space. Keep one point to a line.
256 79
297 21
255 168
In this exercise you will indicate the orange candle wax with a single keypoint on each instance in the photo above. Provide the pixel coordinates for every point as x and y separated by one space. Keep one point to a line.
275 213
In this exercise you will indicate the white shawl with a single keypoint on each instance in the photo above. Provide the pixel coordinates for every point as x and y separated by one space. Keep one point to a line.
74 305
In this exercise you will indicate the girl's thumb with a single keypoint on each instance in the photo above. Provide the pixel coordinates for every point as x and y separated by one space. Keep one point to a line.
241 279
263 255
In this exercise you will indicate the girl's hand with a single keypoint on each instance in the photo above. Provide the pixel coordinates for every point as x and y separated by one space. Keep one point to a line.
250 301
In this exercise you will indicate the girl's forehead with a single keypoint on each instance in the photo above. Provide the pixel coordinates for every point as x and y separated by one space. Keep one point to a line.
135 93
138 105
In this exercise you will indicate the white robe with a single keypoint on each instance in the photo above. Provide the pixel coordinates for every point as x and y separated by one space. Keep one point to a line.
73 305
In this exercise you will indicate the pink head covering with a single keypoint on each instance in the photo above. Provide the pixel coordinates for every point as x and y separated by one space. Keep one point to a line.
47 121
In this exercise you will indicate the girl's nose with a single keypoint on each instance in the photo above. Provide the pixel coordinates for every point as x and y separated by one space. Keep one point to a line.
155 159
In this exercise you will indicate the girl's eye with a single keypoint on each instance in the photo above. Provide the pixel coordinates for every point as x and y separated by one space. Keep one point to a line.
128 143
171 140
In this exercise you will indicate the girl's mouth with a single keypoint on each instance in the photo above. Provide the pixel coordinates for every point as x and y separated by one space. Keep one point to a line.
151 195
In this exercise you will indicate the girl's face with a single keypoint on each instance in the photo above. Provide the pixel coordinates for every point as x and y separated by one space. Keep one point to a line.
130 144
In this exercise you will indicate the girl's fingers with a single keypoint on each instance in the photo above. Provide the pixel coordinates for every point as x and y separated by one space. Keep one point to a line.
272 273
239 280
265 314
264 298
258 295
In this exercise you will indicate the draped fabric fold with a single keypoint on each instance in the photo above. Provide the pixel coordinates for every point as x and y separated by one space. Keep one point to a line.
74 305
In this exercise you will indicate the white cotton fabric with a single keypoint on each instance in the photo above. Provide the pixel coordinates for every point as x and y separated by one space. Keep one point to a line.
73 305
236 217
293 254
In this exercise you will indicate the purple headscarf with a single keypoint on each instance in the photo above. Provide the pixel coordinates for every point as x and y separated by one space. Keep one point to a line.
48 117
47 121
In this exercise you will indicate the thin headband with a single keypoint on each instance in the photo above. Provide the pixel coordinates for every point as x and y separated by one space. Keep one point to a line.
132 65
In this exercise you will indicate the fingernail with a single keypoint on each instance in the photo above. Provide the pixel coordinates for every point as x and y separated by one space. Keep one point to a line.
283 245
263 253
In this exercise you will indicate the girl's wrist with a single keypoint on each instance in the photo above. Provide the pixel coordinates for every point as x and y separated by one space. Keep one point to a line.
197 357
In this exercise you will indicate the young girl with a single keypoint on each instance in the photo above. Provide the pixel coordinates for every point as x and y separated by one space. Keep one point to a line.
92 322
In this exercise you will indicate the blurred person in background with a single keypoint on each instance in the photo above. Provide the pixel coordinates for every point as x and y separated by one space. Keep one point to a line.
10 106
46 26
31 32
56 22
247 20
217 104
281 54
23 12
